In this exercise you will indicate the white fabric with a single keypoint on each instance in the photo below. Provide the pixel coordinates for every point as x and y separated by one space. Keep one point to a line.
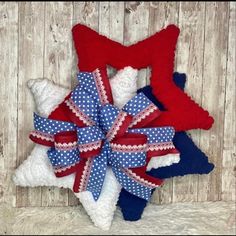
102 210
36 170
47 95
161 161
124 86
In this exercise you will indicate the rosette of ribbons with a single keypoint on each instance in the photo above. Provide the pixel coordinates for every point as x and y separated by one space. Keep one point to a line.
94 134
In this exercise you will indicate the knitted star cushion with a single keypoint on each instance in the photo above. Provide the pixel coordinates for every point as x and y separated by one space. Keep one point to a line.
158 51
192 161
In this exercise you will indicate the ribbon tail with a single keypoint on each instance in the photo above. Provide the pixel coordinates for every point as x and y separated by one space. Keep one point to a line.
142 177
91 173
136 183
80 183
161 150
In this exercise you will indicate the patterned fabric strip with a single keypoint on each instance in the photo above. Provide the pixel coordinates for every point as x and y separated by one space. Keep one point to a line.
142 110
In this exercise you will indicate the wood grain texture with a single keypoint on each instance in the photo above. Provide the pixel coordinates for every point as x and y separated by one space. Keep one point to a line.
229 145
111 20
213 95
8 98
111 23
189 60
86 13
36 42
31 17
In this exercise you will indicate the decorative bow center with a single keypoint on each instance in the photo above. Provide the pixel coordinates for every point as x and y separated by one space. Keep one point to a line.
98 134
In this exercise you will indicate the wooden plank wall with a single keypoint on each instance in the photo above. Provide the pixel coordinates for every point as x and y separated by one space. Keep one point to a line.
36 42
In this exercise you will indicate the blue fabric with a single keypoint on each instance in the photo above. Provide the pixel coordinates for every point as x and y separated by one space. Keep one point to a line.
192 161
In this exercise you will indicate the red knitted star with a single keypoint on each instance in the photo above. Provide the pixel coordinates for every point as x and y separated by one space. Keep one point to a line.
158 52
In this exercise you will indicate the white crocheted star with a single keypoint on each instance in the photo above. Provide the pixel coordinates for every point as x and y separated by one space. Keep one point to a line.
36 170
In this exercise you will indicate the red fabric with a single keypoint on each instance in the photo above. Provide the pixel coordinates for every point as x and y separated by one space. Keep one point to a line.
79 174
69 171
131 139
59 112
65 137
158 52
41 141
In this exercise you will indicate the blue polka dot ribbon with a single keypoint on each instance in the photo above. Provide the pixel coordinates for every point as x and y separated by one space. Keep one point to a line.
98 134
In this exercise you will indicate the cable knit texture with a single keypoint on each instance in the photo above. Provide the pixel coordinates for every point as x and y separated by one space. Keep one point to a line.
124 86
157 162
158 51
47 95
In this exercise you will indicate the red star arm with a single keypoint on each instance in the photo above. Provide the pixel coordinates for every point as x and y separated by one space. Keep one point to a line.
158 51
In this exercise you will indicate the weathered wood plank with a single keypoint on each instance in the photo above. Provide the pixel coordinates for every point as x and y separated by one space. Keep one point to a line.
8 98
57 67
111 23
111 20
31 44
161 15
84 13
189 60
136 28
229 147
213 95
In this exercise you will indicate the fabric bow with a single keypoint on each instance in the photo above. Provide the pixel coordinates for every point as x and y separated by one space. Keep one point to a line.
98 134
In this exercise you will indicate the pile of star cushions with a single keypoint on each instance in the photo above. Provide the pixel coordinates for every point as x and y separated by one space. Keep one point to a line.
109 143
